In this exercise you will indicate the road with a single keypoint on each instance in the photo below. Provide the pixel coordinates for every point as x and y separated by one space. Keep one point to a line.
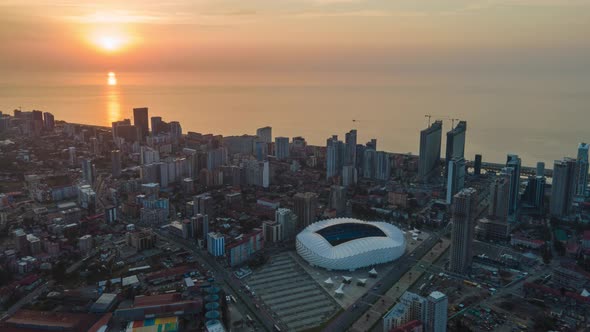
246 303
27 299
363 304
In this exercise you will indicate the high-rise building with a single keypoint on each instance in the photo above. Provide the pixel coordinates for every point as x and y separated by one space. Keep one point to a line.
534 193
85 243
140 120
430 145
500 198
411 307
282 148
305 208
514 162
272 231
335 150
455 144
477 164
72 155
540 169
204 204
88 171
582 170
156 125
437 312
455 177
48 121
563 187
369 163
349 175
175 131
288 221
338 199
264 134
216 244
350 155
464 212
110 214
382 166
261 151
116 163
265 174
20 240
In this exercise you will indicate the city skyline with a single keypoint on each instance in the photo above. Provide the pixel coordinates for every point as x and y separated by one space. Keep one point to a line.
294 165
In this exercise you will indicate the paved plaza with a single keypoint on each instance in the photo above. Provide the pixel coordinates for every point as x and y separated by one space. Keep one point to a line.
290 294
387 301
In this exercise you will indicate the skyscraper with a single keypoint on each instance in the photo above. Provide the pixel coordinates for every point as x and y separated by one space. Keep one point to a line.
305 208
349 175
540 169
140 120
350 141
369 163
334 156
264 134
455 177
116 163
455 144
261 151
477 164
288 220
88 171
534 193
582 170
48 121
514 162
430 145
282 148
175 131
338 199
72 155
436 312
156 125
382 166
500 198
464 212
563 187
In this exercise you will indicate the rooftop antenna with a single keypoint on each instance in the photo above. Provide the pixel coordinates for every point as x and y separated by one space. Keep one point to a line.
428 116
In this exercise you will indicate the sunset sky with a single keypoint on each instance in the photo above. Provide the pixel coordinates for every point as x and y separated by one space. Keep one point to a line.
280 37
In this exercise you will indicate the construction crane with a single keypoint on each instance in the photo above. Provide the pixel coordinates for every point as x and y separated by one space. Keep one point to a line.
429 117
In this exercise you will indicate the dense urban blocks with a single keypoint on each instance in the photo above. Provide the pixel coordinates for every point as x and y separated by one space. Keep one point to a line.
350 244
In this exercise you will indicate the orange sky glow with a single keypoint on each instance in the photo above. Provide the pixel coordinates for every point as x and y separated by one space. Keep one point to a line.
269 37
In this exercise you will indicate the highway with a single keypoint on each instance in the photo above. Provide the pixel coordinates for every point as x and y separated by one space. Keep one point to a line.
363 304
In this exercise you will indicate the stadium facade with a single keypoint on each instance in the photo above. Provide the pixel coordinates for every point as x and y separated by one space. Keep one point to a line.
350 244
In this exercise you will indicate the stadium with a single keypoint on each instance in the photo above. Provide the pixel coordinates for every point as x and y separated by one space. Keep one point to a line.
350 244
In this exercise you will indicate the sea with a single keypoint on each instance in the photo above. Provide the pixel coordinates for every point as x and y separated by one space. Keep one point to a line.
538 118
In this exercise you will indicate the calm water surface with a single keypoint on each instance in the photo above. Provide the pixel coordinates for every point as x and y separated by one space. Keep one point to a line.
537 119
